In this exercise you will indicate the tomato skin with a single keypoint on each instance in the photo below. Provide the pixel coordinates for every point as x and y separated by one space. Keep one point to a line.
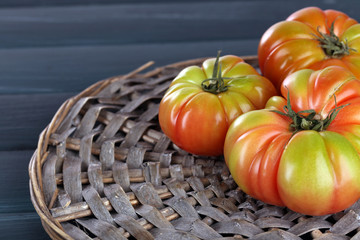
291 45
197 120
311 172
329 163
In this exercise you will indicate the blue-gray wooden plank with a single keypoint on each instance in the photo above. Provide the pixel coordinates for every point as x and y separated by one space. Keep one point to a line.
18 218
62 49
72 69
14 182
17 226
148 22
37 3
22 119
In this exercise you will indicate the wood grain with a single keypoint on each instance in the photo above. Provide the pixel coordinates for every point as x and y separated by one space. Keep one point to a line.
52 50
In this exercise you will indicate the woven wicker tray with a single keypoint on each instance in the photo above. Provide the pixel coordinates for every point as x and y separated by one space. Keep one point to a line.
104 170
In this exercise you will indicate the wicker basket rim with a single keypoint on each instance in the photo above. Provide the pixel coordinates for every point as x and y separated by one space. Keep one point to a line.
51 226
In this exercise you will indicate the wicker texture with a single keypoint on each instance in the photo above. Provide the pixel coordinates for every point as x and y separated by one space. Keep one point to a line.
104 170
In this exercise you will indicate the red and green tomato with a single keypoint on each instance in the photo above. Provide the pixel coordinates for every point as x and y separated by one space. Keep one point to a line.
201 102
310 39
303 150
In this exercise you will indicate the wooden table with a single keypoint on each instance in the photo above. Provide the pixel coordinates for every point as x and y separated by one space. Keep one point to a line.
52 50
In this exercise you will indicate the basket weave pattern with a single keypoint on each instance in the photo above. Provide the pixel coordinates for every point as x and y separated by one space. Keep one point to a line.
104 170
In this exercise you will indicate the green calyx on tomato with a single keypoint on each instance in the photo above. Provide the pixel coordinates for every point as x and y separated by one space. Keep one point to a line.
310 38
216 83
197 119
332 45
314 171
311 120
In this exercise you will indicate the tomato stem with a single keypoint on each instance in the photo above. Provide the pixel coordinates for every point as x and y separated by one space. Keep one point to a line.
309 119
216 83
332 45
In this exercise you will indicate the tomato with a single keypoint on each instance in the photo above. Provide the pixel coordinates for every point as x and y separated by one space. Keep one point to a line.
310 38
302 151
201 102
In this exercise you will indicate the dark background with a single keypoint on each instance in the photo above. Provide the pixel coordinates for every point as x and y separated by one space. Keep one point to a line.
52 50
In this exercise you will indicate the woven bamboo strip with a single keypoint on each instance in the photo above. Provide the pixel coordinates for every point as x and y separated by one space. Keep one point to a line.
210 196
136 175
167 212
82 209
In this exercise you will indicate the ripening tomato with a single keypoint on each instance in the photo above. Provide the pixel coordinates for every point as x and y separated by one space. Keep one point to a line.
303 150
310 38
201 102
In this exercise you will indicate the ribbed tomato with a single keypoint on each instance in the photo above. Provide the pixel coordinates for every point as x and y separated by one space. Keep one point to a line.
201 102
310 38
303 150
